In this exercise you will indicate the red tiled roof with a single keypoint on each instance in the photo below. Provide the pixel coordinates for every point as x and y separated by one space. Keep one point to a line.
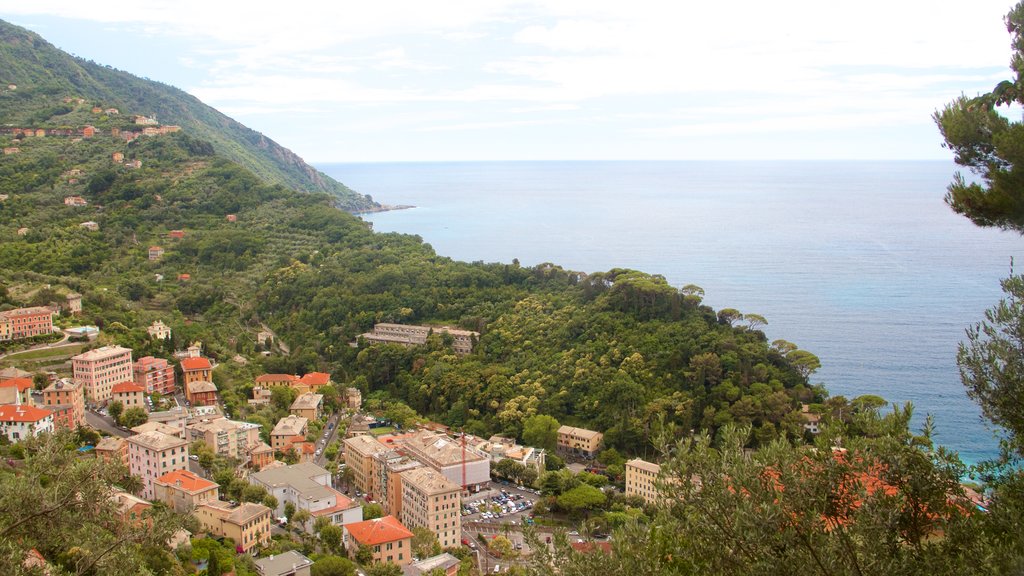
22 413
189 481
316 378
276 378
343 503
22 383
378 531
125 388
195 364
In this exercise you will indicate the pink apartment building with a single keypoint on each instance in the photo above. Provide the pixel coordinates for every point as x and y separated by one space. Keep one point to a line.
153 454
98 370
156 375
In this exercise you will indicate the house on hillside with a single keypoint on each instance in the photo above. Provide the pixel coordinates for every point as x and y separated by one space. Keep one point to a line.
155 253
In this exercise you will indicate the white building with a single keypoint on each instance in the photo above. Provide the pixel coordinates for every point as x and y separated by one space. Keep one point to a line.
449 457
18 421
308 487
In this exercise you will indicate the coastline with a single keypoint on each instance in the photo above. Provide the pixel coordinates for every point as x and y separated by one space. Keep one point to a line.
383 208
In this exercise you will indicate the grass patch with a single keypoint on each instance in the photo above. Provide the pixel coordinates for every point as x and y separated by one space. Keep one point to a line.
381 431
62 352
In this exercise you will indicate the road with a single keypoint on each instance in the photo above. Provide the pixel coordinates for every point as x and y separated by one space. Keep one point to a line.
105 424
329 433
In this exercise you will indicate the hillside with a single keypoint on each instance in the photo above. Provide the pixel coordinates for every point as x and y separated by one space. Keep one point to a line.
39 70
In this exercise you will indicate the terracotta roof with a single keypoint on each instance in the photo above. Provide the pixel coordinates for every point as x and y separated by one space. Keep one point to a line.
276 378
22 413
316 378
125 388
378 531
185 480
195 364
22 383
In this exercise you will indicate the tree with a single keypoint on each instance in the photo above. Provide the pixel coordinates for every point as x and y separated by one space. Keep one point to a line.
330 537
289 510
500 546
213 565
581 498
384 569
992 363
115 409
371 511
364 555
803 362
133 417
333 566
424 543
541 431
300 518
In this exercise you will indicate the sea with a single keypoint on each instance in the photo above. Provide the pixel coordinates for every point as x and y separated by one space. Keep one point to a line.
861 263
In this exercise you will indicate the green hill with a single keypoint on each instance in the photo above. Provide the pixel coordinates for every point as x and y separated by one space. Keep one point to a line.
40 70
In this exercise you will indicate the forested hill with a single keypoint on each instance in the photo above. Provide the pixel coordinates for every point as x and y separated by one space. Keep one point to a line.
38 69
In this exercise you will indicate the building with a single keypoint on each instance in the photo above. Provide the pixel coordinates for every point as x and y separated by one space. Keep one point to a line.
462 465
271 381
117 157
261 397
159 331
112 448
359 453
155 375
500 448
314 381
225 437
176 417
446 564
155 253
308 487
201 393
641 478
386 537
157 427
66 392
353 398
261 456
98 370
131 508
386 479
579 441
74 302
812 421
16 391
129 395
290 563
231 218
25 323
308 406
176 234
153 454
18 422
247 524
90 226
183 491
431 501
76 201
194 369
462 341
286 429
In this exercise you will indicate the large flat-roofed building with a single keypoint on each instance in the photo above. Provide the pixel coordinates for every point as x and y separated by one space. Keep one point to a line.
153 454
388 540
66 392
386 480
286 429
308 487
248 524
359 452
462 341
176 417
98 370
308 406
25 323
183 491
641 477
579 440
431 501
462 465
290 563
156 375
225 437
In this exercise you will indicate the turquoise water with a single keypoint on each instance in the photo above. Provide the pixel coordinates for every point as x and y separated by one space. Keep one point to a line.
859 262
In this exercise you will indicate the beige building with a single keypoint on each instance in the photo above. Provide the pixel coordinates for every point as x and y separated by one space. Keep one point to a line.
129 394
641 477
462 341
579 440
247 524
225 437
98 370
308 406
359 452
387 538
431 501
353 398
158 427
183 491
386 479
462 465
112 448
153 454
286 429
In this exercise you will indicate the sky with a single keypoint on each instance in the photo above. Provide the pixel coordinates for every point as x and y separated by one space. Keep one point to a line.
392 81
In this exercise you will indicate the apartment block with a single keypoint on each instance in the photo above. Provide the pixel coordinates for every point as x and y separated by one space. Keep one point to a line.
641 477
98 370
153 454
129 395
290 563
386 479
184 491
579 440
308 487
308 406
201 392
25 323
286 429
16 391
66 392
461 464
18 422
359 452
225 437
431 501
156 375
112 448
196 369
462 341
387 538
247 524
